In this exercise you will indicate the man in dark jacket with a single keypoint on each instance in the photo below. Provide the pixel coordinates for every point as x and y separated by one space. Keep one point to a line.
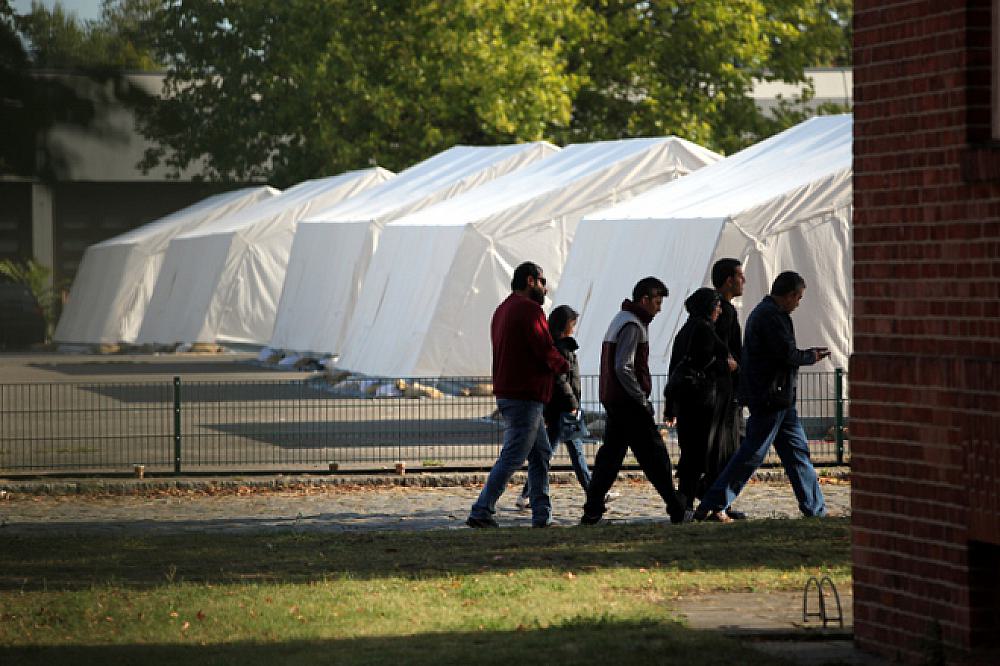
625 386
525 360
769 372
728 280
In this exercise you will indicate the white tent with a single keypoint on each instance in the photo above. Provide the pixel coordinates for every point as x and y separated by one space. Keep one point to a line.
332 249
115 280
222 281
782 204
439 274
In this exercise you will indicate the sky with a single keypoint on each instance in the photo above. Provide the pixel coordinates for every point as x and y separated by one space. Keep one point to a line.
84 9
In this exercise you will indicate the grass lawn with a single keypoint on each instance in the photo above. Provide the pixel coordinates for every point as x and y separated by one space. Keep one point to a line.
510 596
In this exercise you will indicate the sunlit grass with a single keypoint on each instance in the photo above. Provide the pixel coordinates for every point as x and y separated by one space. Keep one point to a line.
430 597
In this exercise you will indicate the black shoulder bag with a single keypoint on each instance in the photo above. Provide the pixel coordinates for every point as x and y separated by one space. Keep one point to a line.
690 384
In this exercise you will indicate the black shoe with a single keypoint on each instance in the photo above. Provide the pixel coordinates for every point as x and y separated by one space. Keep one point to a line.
590 520
736 515
700 514
481 522
547 523
677 509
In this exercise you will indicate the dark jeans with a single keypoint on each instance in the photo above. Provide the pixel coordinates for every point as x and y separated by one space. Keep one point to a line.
630 426
524 438
577 457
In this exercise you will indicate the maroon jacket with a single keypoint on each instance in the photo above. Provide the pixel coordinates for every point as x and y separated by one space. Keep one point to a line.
525 359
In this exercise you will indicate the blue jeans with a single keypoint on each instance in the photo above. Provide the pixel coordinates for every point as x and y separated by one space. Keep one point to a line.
783 429
577 458
524 438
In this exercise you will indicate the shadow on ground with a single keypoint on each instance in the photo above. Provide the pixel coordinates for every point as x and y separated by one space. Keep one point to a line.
75 562
580 641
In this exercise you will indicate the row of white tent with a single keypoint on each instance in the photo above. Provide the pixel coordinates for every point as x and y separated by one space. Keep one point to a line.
399 275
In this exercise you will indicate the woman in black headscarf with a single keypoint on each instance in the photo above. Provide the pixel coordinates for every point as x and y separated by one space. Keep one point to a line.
698 405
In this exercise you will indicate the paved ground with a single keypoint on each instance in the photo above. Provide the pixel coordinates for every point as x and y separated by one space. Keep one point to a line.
166 508
772 621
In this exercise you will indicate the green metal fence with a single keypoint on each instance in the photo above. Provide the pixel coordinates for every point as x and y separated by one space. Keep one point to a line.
191 426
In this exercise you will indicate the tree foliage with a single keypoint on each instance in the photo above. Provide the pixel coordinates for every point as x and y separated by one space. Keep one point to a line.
687 67
58 39
296 89
30 105
38 279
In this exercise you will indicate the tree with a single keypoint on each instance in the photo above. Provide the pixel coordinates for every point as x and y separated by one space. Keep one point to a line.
117 40
687 67
33 101
30 105
297 89
37 278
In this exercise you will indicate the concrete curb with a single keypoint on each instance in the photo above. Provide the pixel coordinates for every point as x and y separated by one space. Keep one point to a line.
280 482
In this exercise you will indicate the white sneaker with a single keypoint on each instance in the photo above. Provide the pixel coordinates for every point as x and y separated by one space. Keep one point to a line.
611 497
522 503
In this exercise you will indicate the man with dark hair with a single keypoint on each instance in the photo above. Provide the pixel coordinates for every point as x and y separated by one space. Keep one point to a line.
769 372
625 386
525 360
728 280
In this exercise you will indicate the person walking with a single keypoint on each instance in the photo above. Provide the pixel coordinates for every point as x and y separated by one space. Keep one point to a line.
768 378
728 279
562 413
698 409
525 360
625 385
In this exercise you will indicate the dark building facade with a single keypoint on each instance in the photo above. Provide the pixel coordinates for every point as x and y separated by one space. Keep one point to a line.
98 191
925 374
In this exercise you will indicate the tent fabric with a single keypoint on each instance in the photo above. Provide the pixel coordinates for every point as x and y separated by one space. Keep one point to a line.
220 283
332 249
782 204
115 280
439 274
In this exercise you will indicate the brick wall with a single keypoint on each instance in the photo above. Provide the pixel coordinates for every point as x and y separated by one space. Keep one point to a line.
925 411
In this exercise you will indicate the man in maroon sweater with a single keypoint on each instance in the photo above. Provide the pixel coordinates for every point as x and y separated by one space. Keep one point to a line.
525 360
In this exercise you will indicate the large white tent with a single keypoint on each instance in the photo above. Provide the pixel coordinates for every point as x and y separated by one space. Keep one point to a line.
221 282
115 280
332 249
439 274
782 204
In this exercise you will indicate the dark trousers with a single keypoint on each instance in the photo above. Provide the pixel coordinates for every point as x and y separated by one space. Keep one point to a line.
630 426
694 433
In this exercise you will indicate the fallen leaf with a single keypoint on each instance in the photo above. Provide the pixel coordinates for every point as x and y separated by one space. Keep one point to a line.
200 615
185 626
173 613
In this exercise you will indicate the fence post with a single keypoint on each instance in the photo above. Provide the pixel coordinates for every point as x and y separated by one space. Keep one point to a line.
839 424
177 425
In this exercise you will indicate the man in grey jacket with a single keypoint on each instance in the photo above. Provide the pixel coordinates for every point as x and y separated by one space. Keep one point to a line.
769 374
624 388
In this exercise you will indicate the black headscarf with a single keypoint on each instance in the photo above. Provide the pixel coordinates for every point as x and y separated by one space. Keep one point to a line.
702 302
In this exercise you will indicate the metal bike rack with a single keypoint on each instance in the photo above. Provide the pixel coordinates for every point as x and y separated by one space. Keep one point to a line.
820 584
